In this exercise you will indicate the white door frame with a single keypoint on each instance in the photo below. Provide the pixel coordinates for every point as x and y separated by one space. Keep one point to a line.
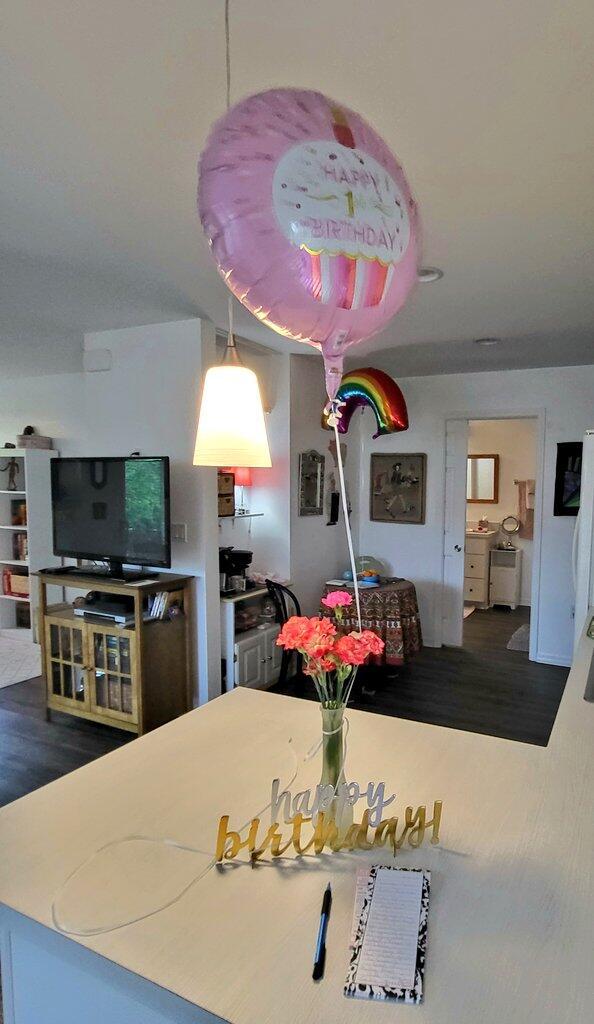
514 413
454 532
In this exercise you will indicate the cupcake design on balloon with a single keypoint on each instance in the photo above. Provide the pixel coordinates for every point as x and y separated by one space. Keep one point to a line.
346 214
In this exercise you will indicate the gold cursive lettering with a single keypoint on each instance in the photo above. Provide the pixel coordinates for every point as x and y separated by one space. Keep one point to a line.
325 834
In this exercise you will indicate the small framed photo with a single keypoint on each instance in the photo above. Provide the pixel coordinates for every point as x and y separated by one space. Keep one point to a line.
397 487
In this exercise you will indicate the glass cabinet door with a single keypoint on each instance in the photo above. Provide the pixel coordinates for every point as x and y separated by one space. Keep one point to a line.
113 687
66 670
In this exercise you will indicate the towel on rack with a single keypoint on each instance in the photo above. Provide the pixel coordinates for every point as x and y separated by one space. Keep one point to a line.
526 490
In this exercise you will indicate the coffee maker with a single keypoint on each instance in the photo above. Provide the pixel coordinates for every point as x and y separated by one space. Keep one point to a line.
232 568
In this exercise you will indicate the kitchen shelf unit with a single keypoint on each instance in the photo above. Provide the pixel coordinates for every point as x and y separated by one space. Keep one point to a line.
251 656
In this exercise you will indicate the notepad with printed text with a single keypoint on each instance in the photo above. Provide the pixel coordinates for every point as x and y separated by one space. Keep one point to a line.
389 937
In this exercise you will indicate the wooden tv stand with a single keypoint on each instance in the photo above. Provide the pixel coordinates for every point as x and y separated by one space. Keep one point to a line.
134 677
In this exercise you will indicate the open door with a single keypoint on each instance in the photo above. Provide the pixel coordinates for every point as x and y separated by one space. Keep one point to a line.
454 532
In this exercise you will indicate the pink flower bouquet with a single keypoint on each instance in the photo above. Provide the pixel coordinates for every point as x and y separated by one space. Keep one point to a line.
331 658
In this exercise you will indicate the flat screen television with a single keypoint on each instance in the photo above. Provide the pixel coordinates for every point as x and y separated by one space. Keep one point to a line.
114 510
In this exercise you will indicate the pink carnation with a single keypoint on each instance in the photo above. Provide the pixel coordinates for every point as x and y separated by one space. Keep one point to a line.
313 637
337 599
371 641
355 648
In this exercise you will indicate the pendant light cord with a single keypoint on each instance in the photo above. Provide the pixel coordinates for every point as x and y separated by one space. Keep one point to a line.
231 338
231 345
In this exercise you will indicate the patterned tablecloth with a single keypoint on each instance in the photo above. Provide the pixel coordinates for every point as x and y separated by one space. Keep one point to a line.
391 611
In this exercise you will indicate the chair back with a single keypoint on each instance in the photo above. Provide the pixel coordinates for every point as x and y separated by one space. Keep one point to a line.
282 598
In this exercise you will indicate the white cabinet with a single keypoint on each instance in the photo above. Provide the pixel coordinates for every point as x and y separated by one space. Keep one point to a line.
505 576
274 655
249 661
476 566
257 658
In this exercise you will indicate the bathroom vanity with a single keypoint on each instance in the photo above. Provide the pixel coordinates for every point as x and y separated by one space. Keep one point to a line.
477 549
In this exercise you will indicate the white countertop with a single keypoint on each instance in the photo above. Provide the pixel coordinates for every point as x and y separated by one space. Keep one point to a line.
511 923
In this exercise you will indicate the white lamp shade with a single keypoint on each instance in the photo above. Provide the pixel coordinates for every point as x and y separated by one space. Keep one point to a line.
231 428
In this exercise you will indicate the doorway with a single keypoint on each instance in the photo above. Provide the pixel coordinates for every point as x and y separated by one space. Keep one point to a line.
492 534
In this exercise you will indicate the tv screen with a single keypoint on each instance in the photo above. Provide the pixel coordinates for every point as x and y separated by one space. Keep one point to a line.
114 509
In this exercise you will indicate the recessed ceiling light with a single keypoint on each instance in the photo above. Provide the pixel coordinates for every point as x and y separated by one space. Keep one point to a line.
486 341
427 275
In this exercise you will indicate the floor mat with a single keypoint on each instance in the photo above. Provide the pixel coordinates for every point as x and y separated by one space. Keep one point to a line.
20 658
520 640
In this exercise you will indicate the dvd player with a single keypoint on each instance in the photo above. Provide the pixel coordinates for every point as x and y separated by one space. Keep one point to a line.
106 606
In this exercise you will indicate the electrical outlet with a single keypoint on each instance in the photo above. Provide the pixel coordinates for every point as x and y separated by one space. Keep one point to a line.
179 532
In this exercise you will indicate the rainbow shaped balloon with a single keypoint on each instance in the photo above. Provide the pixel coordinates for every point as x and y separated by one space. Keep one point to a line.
377 389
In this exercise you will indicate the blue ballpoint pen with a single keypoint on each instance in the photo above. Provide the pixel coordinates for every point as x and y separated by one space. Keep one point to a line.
320 957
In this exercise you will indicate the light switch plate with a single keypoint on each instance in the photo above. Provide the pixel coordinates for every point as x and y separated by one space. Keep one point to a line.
179 532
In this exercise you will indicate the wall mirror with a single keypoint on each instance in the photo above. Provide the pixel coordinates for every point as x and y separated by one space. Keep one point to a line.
482 479
311 483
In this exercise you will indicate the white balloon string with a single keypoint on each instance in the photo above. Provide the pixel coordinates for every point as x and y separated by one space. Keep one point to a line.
329 732
347 525
228 104
62 927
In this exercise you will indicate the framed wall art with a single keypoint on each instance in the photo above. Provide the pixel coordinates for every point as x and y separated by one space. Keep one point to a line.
397 487
568 474
311 483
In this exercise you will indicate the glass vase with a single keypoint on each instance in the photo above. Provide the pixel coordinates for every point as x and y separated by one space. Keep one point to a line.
333 758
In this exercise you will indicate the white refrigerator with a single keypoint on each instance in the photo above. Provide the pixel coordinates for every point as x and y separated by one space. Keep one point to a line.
583 539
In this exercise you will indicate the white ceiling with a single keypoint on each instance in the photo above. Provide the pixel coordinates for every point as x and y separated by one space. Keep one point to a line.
105 106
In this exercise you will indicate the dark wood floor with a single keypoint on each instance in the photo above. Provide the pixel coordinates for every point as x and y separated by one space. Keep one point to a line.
34 752
482 687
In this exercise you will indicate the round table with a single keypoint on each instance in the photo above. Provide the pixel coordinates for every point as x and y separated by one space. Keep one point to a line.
391 611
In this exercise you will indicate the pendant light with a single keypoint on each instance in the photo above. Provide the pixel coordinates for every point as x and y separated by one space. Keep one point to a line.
231 429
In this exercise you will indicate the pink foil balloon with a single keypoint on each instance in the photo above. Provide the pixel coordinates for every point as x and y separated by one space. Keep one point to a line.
310 219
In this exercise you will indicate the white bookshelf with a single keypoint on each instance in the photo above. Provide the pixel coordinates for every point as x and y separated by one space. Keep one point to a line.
34 492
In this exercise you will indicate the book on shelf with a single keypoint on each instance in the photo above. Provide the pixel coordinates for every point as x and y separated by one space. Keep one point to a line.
18 512
162 604
20 546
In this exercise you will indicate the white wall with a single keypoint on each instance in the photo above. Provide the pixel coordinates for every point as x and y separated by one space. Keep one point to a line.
146 401
514 440
318 552
53 404
565 395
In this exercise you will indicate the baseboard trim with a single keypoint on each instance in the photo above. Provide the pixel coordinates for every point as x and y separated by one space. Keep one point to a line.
552 659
